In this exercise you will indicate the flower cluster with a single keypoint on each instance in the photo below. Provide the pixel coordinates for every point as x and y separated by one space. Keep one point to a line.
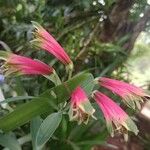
116 118
131 95
19 65
80 107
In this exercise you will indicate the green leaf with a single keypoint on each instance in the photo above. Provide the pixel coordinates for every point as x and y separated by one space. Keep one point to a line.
64 90
18 98
34 126
47 128
9 141
24 113
132 126
46 102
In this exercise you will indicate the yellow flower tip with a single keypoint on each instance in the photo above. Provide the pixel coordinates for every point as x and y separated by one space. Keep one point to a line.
36 25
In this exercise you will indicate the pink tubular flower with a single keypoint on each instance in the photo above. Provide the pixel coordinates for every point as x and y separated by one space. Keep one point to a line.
80 109
45 41
131 94
23 65
115 117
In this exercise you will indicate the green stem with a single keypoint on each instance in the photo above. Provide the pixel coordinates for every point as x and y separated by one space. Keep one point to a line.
70 74
69 69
